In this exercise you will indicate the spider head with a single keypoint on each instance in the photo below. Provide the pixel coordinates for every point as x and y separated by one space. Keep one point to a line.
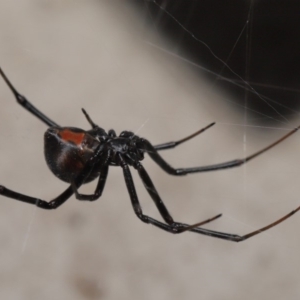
67 151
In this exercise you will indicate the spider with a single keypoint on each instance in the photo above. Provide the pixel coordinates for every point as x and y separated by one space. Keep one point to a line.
77 156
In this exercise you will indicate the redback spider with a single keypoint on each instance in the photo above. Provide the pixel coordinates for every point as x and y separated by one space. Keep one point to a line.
77 156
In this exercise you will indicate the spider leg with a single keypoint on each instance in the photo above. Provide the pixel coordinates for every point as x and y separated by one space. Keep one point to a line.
87 171
251 234
181 227
240 238
172 227
147 146
153 193
227 236
159 203
61 199
99 189
171 145
27 105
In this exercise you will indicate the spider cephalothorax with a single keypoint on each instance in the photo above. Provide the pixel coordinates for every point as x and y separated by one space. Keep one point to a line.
77 156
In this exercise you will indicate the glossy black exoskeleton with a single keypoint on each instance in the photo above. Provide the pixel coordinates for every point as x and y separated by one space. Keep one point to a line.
77 156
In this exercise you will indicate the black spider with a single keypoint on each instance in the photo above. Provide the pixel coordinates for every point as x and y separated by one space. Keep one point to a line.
77 156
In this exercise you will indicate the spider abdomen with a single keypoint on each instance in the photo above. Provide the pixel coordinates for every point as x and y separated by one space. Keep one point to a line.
67 151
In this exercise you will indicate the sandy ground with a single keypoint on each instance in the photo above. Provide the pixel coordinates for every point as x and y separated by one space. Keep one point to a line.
64 55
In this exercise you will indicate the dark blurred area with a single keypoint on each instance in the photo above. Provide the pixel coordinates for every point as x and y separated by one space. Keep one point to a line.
263 51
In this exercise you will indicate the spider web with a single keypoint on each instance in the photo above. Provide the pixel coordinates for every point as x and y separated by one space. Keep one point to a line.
81 247
276 111
236 79
233 77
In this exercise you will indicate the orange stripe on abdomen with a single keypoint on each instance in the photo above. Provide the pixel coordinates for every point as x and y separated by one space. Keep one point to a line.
71 136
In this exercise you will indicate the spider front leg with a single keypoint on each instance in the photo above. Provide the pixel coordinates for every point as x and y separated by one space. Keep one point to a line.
152 151
171 145
241 238
172 227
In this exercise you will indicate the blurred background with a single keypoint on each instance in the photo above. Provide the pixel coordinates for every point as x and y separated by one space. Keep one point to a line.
122 62
232 41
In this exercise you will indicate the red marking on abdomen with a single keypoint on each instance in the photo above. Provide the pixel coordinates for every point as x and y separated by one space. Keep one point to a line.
70 136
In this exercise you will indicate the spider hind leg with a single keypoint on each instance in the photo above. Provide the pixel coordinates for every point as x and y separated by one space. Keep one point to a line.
26 104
